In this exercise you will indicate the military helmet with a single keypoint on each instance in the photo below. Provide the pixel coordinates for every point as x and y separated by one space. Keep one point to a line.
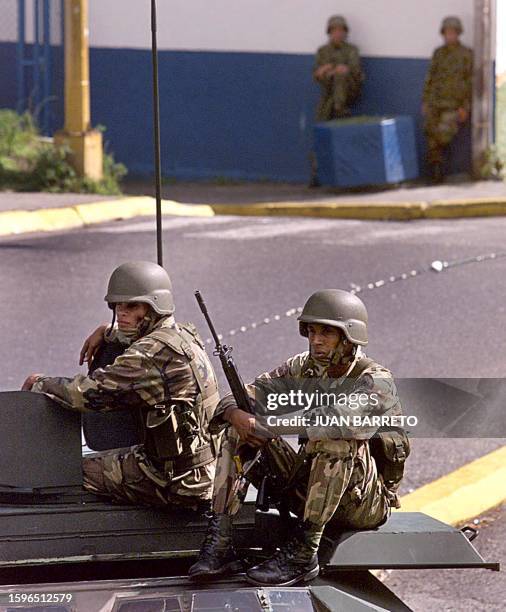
337 308
141 281
336 21
452 22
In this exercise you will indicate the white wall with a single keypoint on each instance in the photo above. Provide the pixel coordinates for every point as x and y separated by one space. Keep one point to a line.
392 28
385 28
9 21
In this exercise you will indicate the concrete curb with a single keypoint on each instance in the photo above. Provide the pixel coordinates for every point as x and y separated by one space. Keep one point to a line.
483 207
82 215
341 210
382 211
463 494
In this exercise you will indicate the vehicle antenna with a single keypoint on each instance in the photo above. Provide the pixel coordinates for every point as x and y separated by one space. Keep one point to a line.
156 130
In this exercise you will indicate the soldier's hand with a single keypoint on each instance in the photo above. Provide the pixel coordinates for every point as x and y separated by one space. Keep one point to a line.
463 115
323 70
91 345
244 424
30 381
341 69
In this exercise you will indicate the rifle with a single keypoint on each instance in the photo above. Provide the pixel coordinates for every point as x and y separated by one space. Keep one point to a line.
242 399
223 351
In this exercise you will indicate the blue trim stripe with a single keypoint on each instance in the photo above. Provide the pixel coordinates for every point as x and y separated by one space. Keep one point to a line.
235 115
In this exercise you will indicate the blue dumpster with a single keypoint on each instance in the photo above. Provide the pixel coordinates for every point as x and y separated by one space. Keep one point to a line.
366 151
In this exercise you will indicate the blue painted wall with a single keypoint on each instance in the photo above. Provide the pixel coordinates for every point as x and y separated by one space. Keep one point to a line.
239 115
8 78
235 115
9 83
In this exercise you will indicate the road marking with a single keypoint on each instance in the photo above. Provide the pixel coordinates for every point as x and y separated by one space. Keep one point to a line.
463 494
277 228
169 223
436 266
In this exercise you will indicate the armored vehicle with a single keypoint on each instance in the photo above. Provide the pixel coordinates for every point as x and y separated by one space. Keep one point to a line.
63 549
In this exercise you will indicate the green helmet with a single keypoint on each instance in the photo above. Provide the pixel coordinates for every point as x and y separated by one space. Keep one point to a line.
336 21
452 22
141 281
337 308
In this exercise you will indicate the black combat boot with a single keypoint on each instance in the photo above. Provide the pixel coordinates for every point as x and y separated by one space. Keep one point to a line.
295 561
217 555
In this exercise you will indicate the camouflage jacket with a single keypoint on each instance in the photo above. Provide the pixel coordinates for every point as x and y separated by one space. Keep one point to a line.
167 365
448 85
375 383
343 54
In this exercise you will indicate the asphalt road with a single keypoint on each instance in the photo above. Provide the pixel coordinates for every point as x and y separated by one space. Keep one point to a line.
447 324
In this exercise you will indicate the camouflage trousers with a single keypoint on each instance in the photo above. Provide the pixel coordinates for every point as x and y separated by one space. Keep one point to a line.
335 103
340 483
127 475
441 127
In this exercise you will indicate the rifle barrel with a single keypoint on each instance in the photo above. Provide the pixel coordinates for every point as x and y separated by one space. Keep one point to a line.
203 308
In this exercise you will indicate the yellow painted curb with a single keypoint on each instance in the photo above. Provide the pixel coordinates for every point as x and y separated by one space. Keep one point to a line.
80 215
341 210
484 207
43 220
463 494
142 206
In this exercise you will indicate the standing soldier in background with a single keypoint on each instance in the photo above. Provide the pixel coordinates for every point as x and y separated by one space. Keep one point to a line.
164 376
337 69
447 94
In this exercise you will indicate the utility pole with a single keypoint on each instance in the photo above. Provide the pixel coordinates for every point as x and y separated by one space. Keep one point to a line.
85 143
482 117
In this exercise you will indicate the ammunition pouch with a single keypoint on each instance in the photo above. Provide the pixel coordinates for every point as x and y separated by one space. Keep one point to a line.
167 433
163 432
185 462
173 427
390 449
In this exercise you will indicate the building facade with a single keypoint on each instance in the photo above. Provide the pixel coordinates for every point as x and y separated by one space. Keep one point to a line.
237 95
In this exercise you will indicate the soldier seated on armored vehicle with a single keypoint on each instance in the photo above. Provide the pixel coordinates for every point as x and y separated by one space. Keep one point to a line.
347 479
165 376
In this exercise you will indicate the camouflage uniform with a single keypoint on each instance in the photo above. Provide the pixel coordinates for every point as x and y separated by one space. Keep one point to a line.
167 378
338 91
448 87
343 482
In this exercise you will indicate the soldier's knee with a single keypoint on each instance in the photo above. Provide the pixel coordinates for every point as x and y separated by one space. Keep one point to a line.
93 475
362 516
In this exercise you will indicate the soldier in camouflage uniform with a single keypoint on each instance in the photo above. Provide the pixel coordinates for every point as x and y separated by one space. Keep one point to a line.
165 376
341 483
447 94
337 70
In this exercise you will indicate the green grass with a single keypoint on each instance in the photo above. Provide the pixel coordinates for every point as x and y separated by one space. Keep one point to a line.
31 163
